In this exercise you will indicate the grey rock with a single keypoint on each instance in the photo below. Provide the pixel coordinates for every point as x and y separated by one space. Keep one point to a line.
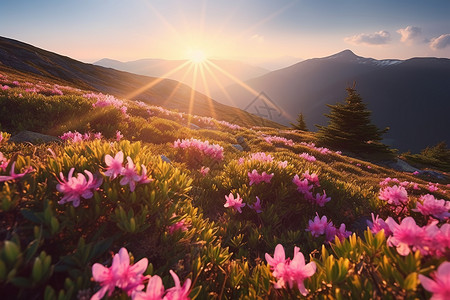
165 158
238 147
403 166
193 126
33 137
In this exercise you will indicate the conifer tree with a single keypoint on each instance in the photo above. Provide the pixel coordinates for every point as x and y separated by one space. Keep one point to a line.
349 127
301 124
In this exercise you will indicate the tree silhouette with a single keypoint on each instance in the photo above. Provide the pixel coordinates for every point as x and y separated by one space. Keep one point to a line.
301 124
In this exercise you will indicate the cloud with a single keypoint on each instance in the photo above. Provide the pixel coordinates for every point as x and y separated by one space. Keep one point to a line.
258 38
410 33
378 38
440 42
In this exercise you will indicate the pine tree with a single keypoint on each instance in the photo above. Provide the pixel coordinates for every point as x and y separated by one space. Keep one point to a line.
349 128
301 124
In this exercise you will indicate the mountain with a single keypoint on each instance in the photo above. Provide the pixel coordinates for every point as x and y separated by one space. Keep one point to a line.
17 56
412 96
217 73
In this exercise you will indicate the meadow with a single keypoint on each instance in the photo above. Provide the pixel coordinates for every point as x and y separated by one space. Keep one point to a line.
138 201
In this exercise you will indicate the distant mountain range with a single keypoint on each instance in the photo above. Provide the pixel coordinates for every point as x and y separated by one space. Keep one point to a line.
412 96
206 78
17 56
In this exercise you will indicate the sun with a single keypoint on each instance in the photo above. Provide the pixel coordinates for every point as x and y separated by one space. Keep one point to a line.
197 56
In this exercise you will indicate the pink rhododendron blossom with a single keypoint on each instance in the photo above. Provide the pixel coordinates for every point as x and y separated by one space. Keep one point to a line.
233 203
405 235
12 173
276 139
308 157
130 175
290 272
416 173
394 195
282 164
154 291
303 186
98 135
3 161
256 206
433 187
322 199
439 285
76 187
214 151
114 165
204 171
261 156
317 227
143 179
256 178
378 224
342 233
428 205
121 274
119 135
312 178
178 292
181 225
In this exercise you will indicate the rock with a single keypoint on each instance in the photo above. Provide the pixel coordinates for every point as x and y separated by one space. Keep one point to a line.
430 173
165 158
241 141
33 137
403 166
238 147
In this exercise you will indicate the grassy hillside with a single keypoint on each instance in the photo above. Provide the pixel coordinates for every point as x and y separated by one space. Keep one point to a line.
130 178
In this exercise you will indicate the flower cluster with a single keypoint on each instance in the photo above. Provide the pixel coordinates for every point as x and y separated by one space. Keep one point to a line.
234 203
181 225
290 272
322 150
407 235
320 226
130 279
305 186
214 151
405 184
129 173
75 187
78 137
277 139
256 178
395 195
440 286
429 205
258 156
307 157
3 161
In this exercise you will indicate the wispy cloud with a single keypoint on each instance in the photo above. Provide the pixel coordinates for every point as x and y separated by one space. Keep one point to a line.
378 38
258 38
409 34
440 42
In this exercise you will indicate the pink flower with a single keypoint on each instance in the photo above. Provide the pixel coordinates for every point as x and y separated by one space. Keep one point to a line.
144 178
256 178
121 274
432 206
236 204
378 224
12 174
256 206
76 187
119 136
330 232
98 135
178 292
416 173
312 178
317 227
282 164
3 161
129 174
394 195
114 165
302 185
154 291
308 157
405 235
180 225
433 187
322 199
288 271
440 286
204 171
341 233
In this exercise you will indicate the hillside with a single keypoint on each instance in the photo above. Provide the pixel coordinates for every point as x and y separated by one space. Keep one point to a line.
17 56
410 97
133 195
212 80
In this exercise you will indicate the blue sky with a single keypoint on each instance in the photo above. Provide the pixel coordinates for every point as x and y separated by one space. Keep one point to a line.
252 30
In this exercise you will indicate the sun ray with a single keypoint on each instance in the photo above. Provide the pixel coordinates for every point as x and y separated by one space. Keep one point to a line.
207 91
180 82
192 97
156 81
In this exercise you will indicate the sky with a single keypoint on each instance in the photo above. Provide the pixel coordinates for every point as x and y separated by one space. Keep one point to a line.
255 31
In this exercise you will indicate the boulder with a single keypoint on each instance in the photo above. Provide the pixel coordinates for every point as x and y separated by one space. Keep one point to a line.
33 137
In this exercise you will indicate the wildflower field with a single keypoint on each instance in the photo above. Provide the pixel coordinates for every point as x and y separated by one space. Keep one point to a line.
137 201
